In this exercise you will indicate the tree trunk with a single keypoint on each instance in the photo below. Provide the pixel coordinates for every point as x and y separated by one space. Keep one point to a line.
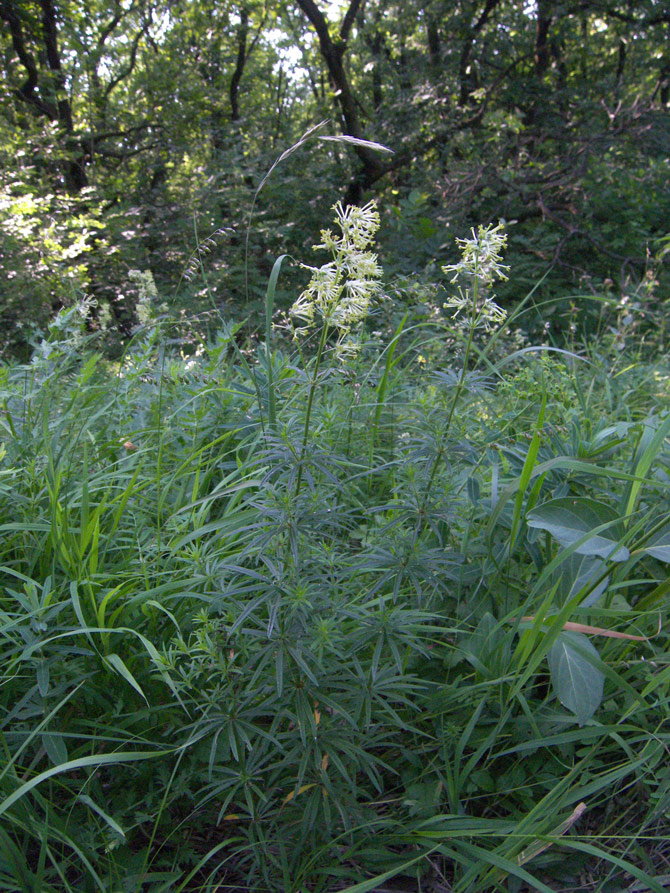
242 32
434 43
50 100
621 65
376 43
333 52
542 48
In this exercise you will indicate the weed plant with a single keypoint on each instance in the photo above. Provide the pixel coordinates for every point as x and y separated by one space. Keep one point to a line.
316 619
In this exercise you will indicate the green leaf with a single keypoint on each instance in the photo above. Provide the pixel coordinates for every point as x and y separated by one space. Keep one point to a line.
473 489
55 747
113 824
576 681
426 227
650 444
93 762
579 572
571 520
269 309
117 663
43 678
526 471
659 545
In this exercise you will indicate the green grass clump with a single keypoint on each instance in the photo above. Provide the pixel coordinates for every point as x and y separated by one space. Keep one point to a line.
302 620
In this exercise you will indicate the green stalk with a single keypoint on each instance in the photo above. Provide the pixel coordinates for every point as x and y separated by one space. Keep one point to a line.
269 308
310 401
317 365
459 390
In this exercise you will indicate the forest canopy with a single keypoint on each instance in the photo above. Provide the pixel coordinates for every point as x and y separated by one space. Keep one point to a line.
132 132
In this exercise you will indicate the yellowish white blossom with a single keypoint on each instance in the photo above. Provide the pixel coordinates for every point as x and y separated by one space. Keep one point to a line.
339 292
480 265
105 316
148 294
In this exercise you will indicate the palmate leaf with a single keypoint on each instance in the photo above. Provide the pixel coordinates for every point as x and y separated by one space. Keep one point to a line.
576 681
571 519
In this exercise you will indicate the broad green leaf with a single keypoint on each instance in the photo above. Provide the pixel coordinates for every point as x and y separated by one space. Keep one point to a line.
659 545
577 683
578 572
55 747
484 647
570 520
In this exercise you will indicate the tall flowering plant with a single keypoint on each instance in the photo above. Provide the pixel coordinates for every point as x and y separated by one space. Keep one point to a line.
479 267
340 292
473 305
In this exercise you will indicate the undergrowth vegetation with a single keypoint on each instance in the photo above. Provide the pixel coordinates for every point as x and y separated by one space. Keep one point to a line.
379 598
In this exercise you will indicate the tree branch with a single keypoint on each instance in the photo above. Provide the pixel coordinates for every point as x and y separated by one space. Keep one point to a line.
332 54
50 32
28 91
130 67
95 138
349 18
662 18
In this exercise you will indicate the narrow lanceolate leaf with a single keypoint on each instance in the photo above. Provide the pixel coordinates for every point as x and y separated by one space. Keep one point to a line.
92 762
113 824
570 520
55 747
301 790
541 845
115 661
649 446
526 472
576 681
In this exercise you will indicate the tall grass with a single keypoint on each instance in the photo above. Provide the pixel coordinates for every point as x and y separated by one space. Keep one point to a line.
293 623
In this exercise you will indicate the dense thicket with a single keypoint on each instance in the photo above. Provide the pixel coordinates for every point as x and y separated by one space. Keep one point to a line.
349 576
132 131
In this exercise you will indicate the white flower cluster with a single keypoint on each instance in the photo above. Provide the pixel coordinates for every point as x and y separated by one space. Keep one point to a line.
66 331
481 265
148 294
340 292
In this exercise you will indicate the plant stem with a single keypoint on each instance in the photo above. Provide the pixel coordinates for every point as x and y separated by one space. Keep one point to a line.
310 401
421 522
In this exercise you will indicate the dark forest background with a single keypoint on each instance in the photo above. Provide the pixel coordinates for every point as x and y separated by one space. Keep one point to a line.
134 134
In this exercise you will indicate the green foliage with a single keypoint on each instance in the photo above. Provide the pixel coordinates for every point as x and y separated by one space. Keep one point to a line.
276 620
280 616
136 139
